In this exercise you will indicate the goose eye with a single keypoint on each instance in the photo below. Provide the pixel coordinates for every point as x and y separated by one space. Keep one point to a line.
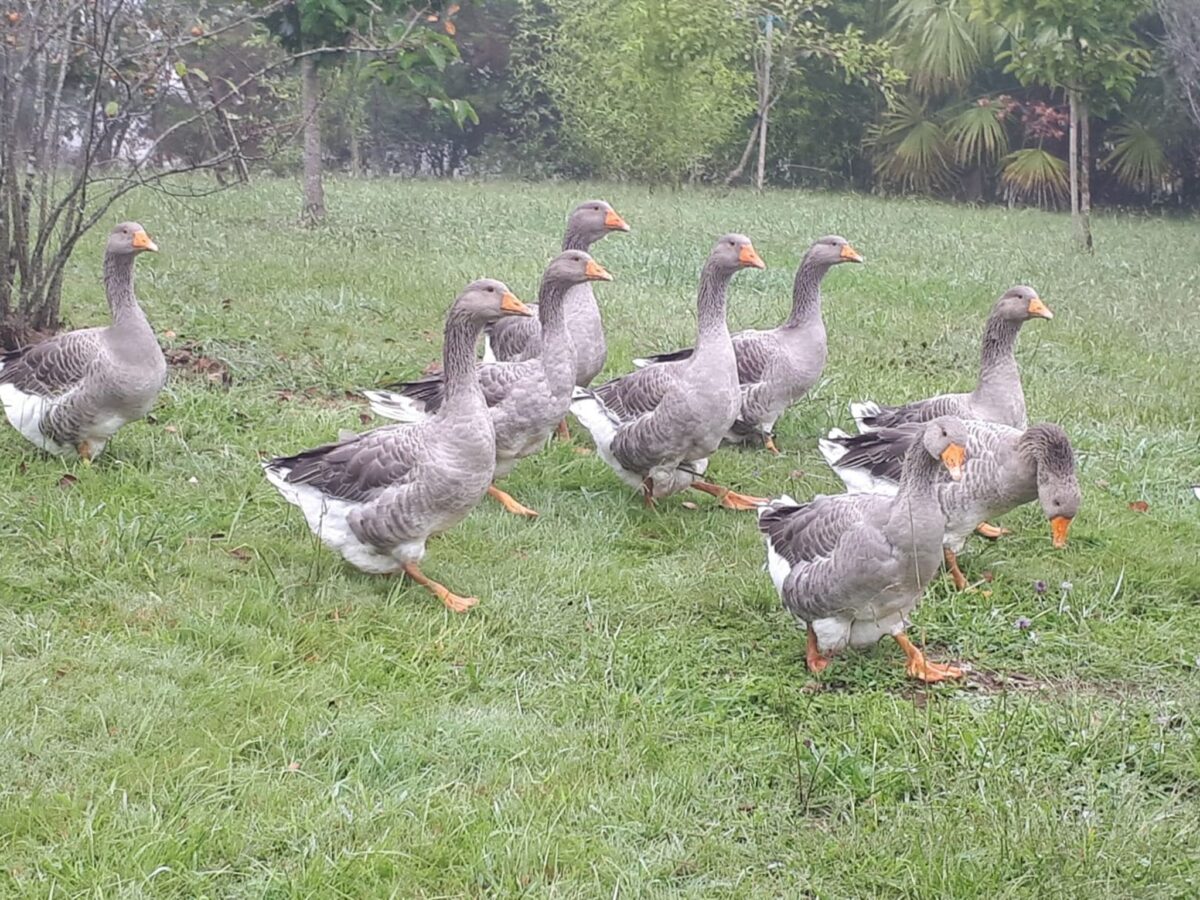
491 290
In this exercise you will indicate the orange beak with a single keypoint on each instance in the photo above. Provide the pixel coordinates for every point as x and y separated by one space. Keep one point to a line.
596 272
750 259
850 254
1039 309
1059 526
953 458
141 241
510 305
614 222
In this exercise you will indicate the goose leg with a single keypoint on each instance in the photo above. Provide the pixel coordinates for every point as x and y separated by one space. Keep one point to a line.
648 492
919 667
85 453
951 558
816 662
991 532
506 500
562 431
729 499
769 443
453 602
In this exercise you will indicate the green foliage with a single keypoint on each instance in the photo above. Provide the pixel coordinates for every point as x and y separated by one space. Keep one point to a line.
940 44
647 89
1138 158
978 134
912 150
1088 46
1035 175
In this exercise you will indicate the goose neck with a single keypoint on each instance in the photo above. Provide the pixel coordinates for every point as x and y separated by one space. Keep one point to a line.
458 361
711 325
806 293
118 288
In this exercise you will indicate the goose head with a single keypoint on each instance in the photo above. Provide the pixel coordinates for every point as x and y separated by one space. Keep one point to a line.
832 250
1021 303
1057 484
575 267
945 438
733 252
595 219
486 300
129 238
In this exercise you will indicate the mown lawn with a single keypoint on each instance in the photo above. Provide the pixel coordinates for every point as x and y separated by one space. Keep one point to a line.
198 700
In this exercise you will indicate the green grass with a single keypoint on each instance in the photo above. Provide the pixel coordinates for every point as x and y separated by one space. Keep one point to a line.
196 699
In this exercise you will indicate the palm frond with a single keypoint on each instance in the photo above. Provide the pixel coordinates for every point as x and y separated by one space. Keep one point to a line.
978 135
1138 158
940 44
1035 174
911 149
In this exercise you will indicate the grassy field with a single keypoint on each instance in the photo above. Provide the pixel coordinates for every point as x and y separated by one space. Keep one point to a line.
196 699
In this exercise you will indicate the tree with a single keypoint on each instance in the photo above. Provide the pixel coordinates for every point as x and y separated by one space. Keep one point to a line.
93 96
1086 48
1181 41
320 32
788 32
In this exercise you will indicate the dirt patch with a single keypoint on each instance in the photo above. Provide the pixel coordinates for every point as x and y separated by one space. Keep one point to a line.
190 358
316 396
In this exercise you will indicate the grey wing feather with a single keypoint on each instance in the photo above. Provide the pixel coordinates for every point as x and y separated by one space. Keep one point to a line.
754 351
921 411
356 470
53 366
810 531
879 452
638 392
514 338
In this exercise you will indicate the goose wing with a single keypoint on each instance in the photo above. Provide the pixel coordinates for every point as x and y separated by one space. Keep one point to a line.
52 367
358 469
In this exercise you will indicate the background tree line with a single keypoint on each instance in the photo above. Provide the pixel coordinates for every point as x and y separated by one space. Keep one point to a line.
1051 103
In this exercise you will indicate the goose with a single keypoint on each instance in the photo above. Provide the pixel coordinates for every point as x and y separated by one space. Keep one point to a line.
376 498
997 397
1006 468
71 393
656 426
525 399
851 567
779 366
510 340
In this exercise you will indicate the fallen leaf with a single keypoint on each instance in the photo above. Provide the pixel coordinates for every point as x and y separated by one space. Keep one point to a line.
169 335
797 473
227 303
241 554
364 418
432 369
293 766
583 451
688 504
171 429
1139 506
67 480
193 480
988 576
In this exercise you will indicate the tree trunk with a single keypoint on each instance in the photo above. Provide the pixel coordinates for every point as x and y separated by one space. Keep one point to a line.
764 104
310 92
1073 160
1085 179
737 170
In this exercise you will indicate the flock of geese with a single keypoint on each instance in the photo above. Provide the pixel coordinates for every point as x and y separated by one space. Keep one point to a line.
920 477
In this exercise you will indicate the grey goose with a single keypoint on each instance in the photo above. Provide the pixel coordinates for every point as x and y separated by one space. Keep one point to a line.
526 399
376 498
657 426
778 366
71 393
852 567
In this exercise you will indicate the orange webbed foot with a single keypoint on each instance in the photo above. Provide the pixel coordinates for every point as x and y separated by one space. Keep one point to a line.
512 505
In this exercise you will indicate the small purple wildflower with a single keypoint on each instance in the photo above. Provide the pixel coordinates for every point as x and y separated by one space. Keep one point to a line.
1039 586
1023 623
